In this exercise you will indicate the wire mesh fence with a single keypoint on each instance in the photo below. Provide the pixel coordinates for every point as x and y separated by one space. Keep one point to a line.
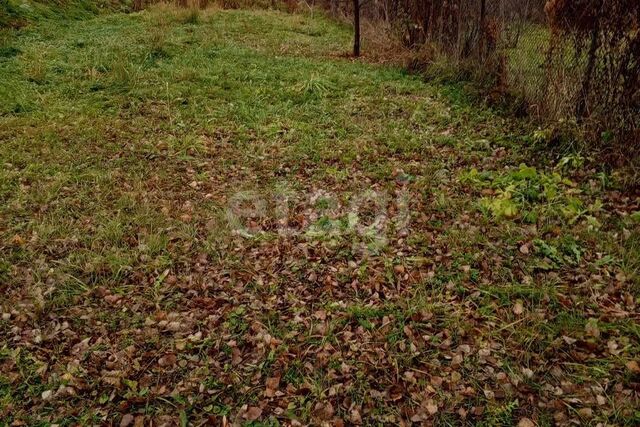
507 39
599 42
524 43
577 60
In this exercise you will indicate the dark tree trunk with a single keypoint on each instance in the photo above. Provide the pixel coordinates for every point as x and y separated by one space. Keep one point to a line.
483 27
356 28
581 108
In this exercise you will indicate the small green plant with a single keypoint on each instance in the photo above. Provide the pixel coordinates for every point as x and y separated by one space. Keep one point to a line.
571 162
236 321
525 192
501 415
566 251
294 374
502 206
563 134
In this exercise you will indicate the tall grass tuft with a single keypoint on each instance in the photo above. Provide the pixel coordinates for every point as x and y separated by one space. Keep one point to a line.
192 17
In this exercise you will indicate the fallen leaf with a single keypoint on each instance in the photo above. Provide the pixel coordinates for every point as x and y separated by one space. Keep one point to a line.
457 360
167 360
17 240
252 413
526 422
271 386
320 315
518 309
633 366
126 420
585 412
355 416
324 411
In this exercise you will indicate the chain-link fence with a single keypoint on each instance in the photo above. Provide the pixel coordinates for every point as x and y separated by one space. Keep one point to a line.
599 42
507 40
524 43
568 59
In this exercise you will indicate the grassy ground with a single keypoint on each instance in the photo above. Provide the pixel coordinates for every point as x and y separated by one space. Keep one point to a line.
18 13
177 243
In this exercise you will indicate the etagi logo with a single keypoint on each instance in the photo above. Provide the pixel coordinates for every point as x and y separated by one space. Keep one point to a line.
369 217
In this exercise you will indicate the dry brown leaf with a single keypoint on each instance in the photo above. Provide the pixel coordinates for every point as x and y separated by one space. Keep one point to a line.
324 411
17 240
585 412
252 413
320 315
526 422
126 420
167 360
432 407
518 308
436 381
355 417
633 366
271 386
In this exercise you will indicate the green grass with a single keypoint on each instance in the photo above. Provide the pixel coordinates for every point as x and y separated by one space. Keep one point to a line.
129 140
16 13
